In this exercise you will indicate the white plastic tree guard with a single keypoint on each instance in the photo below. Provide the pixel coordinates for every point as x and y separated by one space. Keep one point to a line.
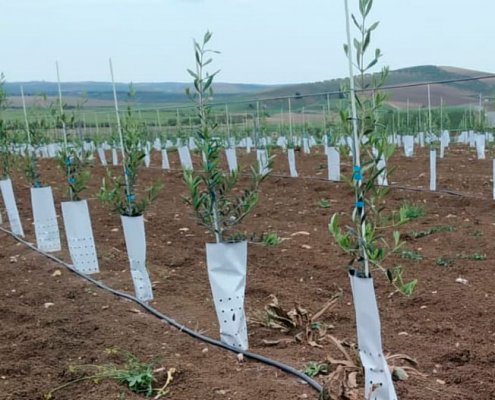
493 177
11 207
305 142
480 140
79 233
147 157
433 170
231 158
291 155
227 266
262 156
408 141
378 383
421 139
115 157
333 160
101 156
185 158
165 162
472 139
192 143
45 219
135 242
249 144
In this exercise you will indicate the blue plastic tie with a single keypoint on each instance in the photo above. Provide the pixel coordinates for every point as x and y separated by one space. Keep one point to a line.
131 197
72 180
359 204
357 173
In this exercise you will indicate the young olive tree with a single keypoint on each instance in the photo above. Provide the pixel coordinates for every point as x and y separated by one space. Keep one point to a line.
72 158
121 191
364 239
210 191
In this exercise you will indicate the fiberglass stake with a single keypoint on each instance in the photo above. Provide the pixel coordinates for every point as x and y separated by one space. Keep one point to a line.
119 128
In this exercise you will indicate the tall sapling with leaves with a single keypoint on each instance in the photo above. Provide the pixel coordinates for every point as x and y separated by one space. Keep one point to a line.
219 209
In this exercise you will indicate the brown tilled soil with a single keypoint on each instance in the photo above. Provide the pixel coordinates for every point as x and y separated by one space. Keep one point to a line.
448 327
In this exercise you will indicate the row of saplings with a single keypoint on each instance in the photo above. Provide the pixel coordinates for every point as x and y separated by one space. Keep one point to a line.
218 209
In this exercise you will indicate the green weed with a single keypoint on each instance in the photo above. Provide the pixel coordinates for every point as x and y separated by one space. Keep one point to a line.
313 368
324 203
411 255
431 231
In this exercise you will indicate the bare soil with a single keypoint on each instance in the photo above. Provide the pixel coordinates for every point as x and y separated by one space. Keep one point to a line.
448 327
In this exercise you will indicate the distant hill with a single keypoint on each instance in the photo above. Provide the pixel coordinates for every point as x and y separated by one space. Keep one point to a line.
452 93
99 94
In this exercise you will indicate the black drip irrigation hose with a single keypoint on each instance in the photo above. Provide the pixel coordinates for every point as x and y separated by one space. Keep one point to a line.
182 328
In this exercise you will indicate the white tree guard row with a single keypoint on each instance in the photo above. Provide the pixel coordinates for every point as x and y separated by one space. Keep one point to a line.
185 158
11 207
227 266
378 383
262 156
79 233
165 161
231 159
333 161
292 163
135 241
45 219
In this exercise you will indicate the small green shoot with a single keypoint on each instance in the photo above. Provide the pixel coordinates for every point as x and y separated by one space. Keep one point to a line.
313 369
444 261
408 211
324 203
411 255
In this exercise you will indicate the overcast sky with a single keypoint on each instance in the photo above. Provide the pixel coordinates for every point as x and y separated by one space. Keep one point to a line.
262 41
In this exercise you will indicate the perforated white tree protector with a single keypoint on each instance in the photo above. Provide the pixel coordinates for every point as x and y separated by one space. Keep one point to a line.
262 156
231 158
433 170
333 160
292 163
493 177
421 137
249 144
282 142
165 162
408 141
79 233
381 179
147 157
378 383
115 157
45 219
305 142
101 156
11 207
471 139
157 144
227 265
135 242
185 158
312 141
480 140
192 143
